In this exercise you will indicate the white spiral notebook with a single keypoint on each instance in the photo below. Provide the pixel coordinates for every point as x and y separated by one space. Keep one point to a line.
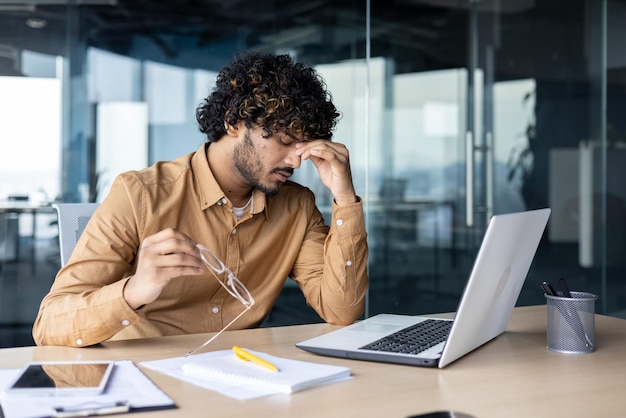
293 375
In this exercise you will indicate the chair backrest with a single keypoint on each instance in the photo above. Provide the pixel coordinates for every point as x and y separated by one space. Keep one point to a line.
72 219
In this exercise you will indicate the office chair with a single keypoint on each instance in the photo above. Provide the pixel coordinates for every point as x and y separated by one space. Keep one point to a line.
72 219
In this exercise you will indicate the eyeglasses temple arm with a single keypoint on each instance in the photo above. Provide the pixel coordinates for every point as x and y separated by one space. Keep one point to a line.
216 335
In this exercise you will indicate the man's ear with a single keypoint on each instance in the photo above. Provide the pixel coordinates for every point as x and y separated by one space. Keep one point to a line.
232 130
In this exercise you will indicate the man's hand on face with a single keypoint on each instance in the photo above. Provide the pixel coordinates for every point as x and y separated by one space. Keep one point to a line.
332 161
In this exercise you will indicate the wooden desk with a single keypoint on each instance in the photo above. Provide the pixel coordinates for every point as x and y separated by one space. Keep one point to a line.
512 376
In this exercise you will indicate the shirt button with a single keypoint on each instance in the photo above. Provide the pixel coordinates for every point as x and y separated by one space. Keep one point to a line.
79 342
348 263
215 309
224 201
339 222
234 231
125 322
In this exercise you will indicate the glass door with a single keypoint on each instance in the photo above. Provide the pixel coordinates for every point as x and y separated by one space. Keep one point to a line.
501 105
454 150
426 109
550 134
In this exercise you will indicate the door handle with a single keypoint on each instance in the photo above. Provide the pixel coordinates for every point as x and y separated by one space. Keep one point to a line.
469 179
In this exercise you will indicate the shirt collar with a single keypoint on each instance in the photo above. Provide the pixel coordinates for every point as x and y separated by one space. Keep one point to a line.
209 190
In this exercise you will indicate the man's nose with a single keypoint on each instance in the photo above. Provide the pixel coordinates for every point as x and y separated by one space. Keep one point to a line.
293 159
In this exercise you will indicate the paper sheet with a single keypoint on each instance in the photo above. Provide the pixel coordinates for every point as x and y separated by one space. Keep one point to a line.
127 383
173 367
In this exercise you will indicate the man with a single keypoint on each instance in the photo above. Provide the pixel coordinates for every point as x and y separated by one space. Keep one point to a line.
137 271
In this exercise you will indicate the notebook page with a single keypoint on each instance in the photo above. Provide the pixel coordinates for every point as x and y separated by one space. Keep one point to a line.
293 375
173 367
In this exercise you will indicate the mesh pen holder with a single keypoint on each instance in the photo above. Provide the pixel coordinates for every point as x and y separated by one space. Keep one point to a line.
571 323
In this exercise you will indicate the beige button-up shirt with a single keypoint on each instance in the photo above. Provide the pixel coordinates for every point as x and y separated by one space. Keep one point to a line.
279 237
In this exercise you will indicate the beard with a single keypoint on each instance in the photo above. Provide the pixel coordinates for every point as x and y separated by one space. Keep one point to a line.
251 168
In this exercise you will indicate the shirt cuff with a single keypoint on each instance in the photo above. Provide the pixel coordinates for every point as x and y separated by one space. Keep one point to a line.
120 314
348 220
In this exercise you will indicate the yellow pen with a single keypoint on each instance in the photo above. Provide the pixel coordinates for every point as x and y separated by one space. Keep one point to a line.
247 356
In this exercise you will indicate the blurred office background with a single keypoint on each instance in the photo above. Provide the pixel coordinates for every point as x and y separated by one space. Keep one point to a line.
453 110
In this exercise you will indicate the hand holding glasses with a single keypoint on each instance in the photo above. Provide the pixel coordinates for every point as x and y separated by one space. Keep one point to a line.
230 282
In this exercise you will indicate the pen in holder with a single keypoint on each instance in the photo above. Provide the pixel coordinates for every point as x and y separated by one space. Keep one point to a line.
571 323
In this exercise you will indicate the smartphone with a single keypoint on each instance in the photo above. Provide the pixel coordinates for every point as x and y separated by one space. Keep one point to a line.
62 378
441 414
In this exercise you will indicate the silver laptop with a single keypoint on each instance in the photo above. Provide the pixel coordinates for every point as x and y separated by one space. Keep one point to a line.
499 272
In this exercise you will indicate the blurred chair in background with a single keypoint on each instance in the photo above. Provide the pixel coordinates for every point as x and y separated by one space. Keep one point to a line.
73 218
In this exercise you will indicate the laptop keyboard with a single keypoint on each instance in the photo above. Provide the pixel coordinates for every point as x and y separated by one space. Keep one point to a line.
413 339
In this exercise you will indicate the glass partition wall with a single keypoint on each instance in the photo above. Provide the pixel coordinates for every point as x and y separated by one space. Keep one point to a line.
452 110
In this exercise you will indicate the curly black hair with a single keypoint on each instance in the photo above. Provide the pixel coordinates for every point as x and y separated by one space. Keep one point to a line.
272 92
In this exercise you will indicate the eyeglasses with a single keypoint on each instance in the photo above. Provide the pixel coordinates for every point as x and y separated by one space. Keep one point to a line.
230 283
